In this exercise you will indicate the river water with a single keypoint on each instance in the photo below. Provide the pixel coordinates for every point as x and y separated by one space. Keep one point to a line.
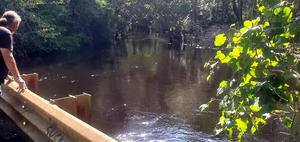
141 90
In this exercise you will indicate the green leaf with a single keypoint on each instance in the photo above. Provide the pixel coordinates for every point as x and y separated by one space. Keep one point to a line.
247 78
253 83
253 72
236 40
208 78
266 24
255 21
266 72
288 122
291 98
255 107
220 55
287 11
255 64
232 25
248 24
259 121
220 90
206 64
226 59
223 84
220 40
272 63
290 18
277 11
241 125
235 53
203 107
218 131
222 87
230 132
259 52
261 8
253 129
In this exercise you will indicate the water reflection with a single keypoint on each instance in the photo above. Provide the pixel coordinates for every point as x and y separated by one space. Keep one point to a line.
144 92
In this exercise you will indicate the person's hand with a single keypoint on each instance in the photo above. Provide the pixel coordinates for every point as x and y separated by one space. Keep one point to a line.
21 82
9 78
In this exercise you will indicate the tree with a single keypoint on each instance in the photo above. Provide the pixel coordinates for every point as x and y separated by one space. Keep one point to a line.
54 27
265 81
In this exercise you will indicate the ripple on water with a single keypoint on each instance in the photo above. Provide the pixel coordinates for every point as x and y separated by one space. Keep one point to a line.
151 127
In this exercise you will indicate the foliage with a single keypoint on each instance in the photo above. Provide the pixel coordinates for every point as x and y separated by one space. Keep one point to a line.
265 79
62 26
144 15
59 26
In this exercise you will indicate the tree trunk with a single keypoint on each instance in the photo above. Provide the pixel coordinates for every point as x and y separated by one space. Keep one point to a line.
241 11
237 9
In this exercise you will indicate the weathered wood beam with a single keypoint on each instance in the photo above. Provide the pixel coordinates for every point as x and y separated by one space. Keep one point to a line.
40 126
76 129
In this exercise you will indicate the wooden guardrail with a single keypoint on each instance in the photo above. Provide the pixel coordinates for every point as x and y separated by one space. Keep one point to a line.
43 120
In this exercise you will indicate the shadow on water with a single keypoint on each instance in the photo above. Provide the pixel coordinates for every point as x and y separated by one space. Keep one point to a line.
142 90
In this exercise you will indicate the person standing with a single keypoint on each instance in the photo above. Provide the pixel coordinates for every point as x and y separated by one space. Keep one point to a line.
9 24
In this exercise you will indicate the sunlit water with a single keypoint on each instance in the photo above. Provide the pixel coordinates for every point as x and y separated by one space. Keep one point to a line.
146 126
141 91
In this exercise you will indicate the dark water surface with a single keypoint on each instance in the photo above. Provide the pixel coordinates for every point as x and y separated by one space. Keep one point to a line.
141 91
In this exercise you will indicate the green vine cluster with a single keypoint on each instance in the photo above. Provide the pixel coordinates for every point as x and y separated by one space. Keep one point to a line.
265 79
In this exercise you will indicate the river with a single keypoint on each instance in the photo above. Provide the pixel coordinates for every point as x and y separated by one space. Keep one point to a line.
141 90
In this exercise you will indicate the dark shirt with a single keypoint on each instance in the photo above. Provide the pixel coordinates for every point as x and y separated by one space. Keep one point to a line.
6 41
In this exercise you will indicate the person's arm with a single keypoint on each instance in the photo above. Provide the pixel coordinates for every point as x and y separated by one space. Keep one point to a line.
12 67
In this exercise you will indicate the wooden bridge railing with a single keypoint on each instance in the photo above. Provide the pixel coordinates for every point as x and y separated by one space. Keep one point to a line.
43 120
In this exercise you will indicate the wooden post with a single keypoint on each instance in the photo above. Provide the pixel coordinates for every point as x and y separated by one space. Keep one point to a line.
32 82
83 107
78 105
67 103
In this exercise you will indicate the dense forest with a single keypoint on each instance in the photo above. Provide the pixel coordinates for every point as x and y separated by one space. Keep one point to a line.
68 26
